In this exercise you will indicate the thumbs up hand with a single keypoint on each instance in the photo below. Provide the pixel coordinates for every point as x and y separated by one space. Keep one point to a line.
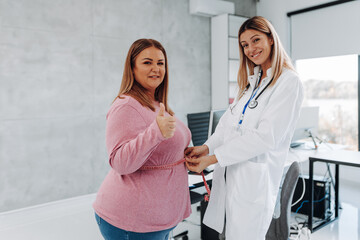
167 125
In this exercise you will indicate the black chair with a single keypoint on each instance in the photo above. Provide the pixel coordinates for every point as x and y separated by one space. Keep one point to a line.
198 124
280 227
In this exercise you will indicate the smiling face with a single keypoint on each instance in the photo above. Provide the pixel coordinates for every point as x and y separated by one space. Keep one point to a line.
149 69
257 47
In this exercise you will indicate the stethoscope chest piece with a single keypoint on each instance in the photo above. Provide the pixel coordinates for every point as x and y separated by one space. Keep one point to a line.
253 104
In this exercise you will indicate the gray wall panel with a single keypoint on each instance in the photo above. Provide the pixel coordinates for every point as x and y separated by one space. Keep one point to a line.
109 60
55 15
61 65
128 19
47 159
44 74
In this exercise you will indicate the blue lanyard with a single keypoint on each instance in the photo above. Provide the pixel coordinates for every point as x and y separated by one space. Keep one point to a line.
252 96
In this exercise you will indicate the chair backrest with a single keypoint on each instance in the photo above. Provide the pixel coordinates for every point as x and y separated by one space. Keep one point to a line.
198 124
280 227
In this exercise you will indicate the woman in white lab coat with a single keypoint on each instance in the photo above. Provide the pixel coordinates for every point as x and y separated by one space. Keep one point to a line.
252 139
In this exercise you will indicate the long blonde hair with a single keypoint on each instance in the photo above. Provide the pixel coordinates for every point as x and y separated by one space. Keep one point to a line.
279 58
129 85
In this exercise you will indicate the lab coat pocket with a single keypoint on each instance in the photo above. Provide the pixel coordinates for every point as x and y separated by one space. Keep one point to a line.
253 182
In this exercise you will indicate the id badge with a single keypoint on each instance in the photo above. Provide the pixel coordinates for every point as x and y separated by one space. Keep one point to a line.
238 128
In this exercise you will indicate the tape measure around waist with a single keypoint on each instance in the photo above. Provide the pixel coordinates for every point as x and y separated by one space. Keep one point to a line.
207 196
163 167
169 166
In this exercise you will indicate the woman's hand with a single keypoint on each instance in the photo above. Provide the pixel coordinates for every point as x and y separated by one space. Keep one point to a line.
199 164
198 151
167 125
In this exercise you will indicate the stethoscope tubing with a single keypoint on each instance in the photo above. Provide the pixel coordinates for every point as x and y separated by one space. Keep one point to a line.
256 98
253 103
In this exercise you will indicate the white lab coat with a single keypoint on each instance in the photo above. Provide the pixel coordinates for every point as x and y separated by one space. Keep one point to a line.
254 158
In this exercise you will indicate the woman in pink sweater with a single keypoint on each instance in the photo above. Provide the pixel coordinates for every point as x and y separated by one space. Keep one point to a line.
145 194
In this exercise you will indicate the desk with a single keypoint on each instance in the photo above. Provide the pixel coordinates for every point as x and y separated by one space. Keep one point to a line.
337 157
327 153
195 180
302 153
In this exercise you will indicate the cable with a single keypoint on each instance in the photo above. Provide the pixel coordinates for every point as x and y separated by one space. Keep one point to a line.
327 164
298 219
304 185
312 138
299 232
326 173
303 193
309 201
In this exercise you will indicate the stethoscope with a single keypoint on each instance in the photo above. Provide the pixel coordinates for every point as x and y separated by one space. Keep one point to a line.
252 103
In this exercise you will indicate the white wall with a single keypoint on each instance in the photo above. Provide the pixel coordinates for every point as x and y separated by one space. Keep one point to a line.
326 32
246 8
61 64
275 11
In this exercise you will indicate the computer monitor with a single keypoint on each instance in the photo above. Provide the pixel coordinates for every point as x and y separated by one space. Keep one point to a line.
215 116
307 125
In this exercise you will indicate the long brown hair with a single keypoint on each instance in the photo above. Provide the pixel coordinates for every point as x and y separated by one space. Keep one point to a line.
279 58
129 85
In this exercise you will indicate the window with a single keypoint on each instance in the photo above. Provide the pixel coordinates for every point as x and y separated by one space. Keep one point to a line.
332 84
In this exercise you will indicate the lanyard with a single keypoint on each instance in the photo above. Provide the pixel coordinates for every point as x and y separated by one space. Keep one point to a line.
246 105
251 97
253 103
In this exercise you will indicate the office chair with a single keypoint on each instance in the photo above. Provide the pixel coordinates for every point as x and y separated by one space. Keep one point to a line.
198 124
280 227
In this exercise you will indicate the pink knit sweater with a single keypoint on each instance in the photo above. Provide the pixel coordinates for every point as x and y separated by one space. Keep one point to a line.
143 200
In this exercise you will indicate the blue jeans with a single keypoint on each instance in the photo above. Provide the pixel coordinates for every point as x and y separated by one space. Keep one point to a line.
110 232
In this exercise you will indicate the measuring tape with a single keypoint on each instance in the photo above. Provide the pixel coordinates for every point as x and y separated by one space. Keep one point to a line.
162 167
207 196
169 166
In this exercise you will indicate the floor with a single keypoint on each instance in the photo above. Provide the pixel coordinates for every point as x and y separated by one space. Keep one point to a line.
347 227
74 219
68 219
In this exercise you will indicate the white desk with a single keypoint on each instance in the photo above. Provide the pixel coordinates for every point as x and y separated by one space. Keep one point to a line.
303 152
195 180
300 154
